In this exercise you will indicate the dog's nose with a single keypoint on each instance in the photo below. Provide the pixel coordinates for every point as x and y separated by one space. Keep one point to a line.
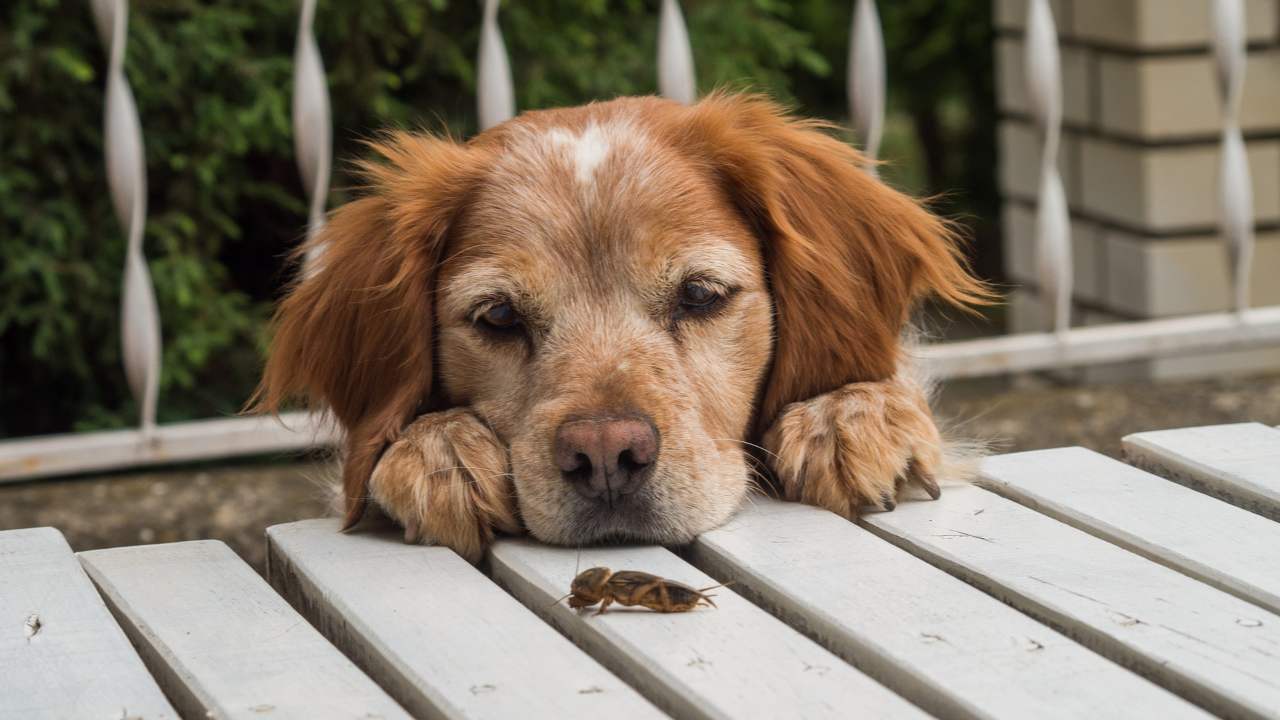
606 458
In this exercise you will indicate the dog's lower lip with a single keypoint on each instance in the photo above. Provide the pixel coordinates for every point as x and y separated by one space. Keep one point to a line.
635 522
612 501
621 537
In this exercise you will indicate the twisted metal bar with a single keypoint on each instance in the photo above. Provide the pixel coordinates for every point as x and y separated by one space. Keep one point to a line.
866 78
127 180
312 125
676 78
1235 192
1053 236
495 94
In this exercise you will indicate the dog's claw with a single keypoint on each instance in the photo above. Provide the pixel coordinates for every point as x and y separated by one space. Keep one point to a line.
821 455
928 483
925 480
412 529
931 487
417 478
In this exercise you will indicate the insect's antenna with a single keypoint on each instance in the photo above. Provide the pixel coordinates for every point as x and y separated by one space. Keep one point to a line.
576 564
713 587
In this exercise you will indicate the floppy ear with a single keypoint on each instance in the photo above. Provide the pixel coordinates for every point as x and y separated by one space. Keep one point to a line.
846 255
354 334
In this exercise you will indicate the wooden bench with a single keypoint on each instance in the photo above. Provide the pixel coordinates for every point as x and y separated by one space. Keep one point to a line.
1061 584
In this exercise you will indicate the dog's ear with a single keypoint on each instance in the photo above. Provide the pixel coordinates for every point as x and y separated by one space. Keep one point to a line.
354 334
846 255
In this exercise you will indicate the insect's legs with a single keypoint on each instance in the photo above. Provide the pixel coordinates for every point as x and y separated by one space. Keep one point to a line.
604 604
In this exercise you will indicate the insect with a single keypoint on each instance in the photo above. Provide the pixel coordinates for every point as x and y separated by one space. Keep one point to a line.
630 587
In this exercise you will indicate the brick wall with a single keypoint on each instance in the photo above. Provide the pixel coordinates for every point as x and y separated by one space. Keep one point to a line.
1139 161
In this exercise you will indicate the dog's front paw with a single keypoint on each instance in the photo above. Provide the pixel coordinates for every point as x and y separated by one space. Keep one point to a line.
446 481
856 447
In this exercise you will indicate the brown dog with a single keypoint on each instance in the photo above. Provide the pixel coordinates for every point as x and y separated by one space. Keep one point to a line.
582 322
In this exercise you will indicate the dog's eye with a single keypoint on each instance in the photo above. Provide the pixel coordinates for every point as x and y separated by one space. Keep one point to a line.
501 317
693 295
700 298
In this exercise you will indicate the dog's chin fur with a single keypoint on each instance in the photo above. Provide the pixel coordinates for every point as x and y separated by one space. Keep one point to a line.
651 515
646 524
590 224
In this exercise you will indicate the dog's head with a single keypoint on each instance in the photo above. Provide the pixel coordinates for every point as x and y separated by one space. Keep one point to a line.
626 292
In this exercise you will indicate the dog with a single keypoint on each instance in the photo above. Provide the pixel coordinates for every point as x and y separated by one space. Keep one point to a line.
610 322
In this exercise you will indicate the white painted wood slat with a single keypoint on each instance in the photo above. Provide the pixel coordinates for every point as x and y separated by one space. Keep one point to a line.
1224 546
735 661
1114 342
1210 647
172 443
939 642
61 653
222 643
1239 463
441 637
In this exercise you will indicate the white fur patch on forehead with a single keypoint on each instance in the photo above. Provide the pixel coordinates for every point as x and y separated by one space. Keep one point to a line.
586 150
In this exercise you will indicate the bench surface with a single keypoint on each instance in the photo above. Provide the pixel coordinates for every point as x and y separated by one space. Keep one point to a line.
1061 584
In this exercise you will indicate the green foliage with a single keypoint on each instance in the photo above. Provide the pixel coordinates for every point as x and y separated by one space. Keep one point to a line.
212 81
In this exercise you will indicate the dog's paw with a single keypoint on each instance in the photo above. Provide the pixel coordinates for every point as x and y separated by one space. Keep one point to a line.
446 481
856 447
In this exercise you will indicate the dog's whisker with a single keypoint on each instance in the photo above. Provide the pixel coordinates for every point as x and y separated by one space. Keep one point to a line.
762 448
757 483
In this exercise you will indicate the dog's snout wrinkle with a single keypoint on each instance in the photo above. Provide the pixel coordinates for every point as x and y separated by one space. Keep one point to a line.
606 458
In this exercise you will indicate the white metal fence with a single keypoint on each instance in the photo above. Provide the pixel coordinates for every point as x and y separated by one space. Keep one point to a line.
1059 346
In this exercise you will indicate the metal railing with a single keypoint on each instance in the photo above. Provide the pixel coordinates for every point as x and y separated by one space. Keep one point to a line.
1065 346
1059 346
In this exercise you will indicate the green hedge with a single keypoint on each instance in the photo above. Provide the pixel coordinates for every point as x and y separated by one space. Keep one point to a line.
212 82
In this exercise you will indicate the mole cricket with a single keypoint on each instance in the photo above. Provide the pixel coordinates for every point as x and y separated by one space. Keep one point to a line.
630 587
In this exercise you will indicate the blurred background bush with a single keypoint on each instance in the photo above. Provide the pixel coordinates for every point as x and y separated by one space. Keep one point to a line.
212 82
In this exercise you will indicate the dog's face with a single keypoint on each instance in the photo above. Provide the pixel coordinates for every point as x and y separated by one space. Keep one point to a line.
625 293
603 307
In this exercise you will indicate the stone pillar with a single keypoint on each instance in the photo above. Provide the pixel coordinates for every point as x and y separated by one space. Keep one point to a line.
1139 161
